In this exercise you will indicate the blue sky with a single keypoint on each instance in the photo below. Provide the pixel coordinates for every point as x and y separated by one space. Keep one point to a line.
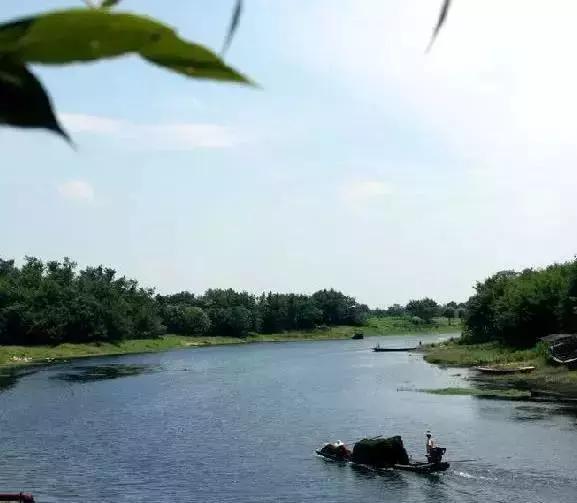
361 164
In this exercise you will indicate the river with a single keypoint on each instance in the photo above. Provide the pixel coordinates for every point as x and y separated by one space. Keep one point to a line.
240 424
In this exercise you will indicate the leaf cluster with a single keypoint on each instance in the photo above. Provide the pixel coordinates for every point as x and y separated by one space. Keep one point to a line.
92 34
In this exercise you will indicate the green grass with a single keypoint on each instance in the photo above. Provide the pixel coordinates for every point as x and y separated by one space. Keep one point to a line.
467 355
505 394
18 355
35 354
395 325
545 377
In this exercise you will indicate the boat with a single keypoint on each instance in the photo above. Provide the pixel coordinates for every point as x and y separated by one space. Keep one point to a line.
572 360
424 467
417 466
505 370
563 349
379 349
19 497
357 336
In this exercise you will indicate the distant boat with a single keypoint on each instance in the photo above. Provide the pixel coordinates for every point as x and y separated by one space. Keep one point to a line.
379 349
505 370
20 497
357 336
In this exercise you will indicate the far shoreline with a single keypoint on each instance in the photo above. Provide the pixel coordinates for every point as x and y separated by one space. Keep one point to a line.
11 356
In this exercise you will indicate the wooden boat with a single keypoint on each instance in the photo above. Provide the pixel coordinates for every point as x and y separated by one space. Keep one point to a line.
424 467
504 370
564 354
379 349
563 349
19 497
416 467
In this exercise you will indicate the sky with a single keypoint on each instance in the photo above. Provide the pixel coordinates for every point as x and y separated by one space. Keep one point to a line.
360 163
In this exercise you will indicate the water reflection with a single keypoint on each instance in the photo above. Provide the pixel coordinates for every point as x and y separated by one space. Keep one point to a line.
10 376
434 488
104 372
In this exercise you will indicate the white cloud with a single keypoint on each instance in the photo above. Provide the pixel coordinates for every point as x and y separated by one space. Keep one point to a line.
76 190
359 194
497 87
78 123
496 95
167 136
362 191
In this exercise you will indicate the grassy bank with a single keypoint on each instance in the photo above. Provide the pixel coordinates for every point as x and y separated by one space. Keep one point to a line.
545 379
15 355
395 325
469 355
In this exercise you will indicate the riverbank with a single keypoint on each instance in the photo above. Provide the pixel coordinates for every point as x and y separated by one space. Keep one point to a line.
401 325
555 382
19 355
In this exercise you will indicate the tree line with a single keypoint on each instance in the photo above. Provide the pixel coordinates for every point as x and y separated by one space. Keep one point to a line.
518 308
54 302
424 311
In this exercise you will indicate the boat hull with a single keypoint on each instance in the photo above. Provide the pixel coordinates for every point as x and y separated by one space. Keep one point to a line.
424 467
412 467
392 350
514 370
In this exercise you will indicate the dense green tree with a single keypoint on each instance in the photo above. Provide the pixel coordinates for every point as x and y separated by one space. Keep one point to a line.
567 310
51 303
185 320
426 309
449 313
519 308
395 310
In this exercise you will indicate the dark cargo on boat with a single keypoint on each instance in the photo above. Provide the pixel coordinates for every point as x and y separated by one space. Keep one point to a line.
380 452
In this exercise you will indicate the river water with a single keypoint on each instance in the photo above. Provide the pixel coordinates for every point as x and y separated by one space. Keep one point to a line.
240 424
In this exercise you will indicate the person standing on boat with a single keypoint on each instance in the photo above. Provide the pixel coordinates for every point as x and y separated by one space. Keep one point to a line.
430 444
434 453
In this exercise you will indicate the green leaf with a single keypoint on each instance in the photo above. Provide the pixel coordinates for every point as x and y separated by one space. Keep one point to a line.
23 101
14 30
107 4
77 35
234 22
190 59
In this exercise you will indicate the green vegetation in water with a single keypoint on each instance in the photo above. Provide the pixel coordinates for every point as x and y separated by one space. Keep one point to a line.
395 325
504 394
546 378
